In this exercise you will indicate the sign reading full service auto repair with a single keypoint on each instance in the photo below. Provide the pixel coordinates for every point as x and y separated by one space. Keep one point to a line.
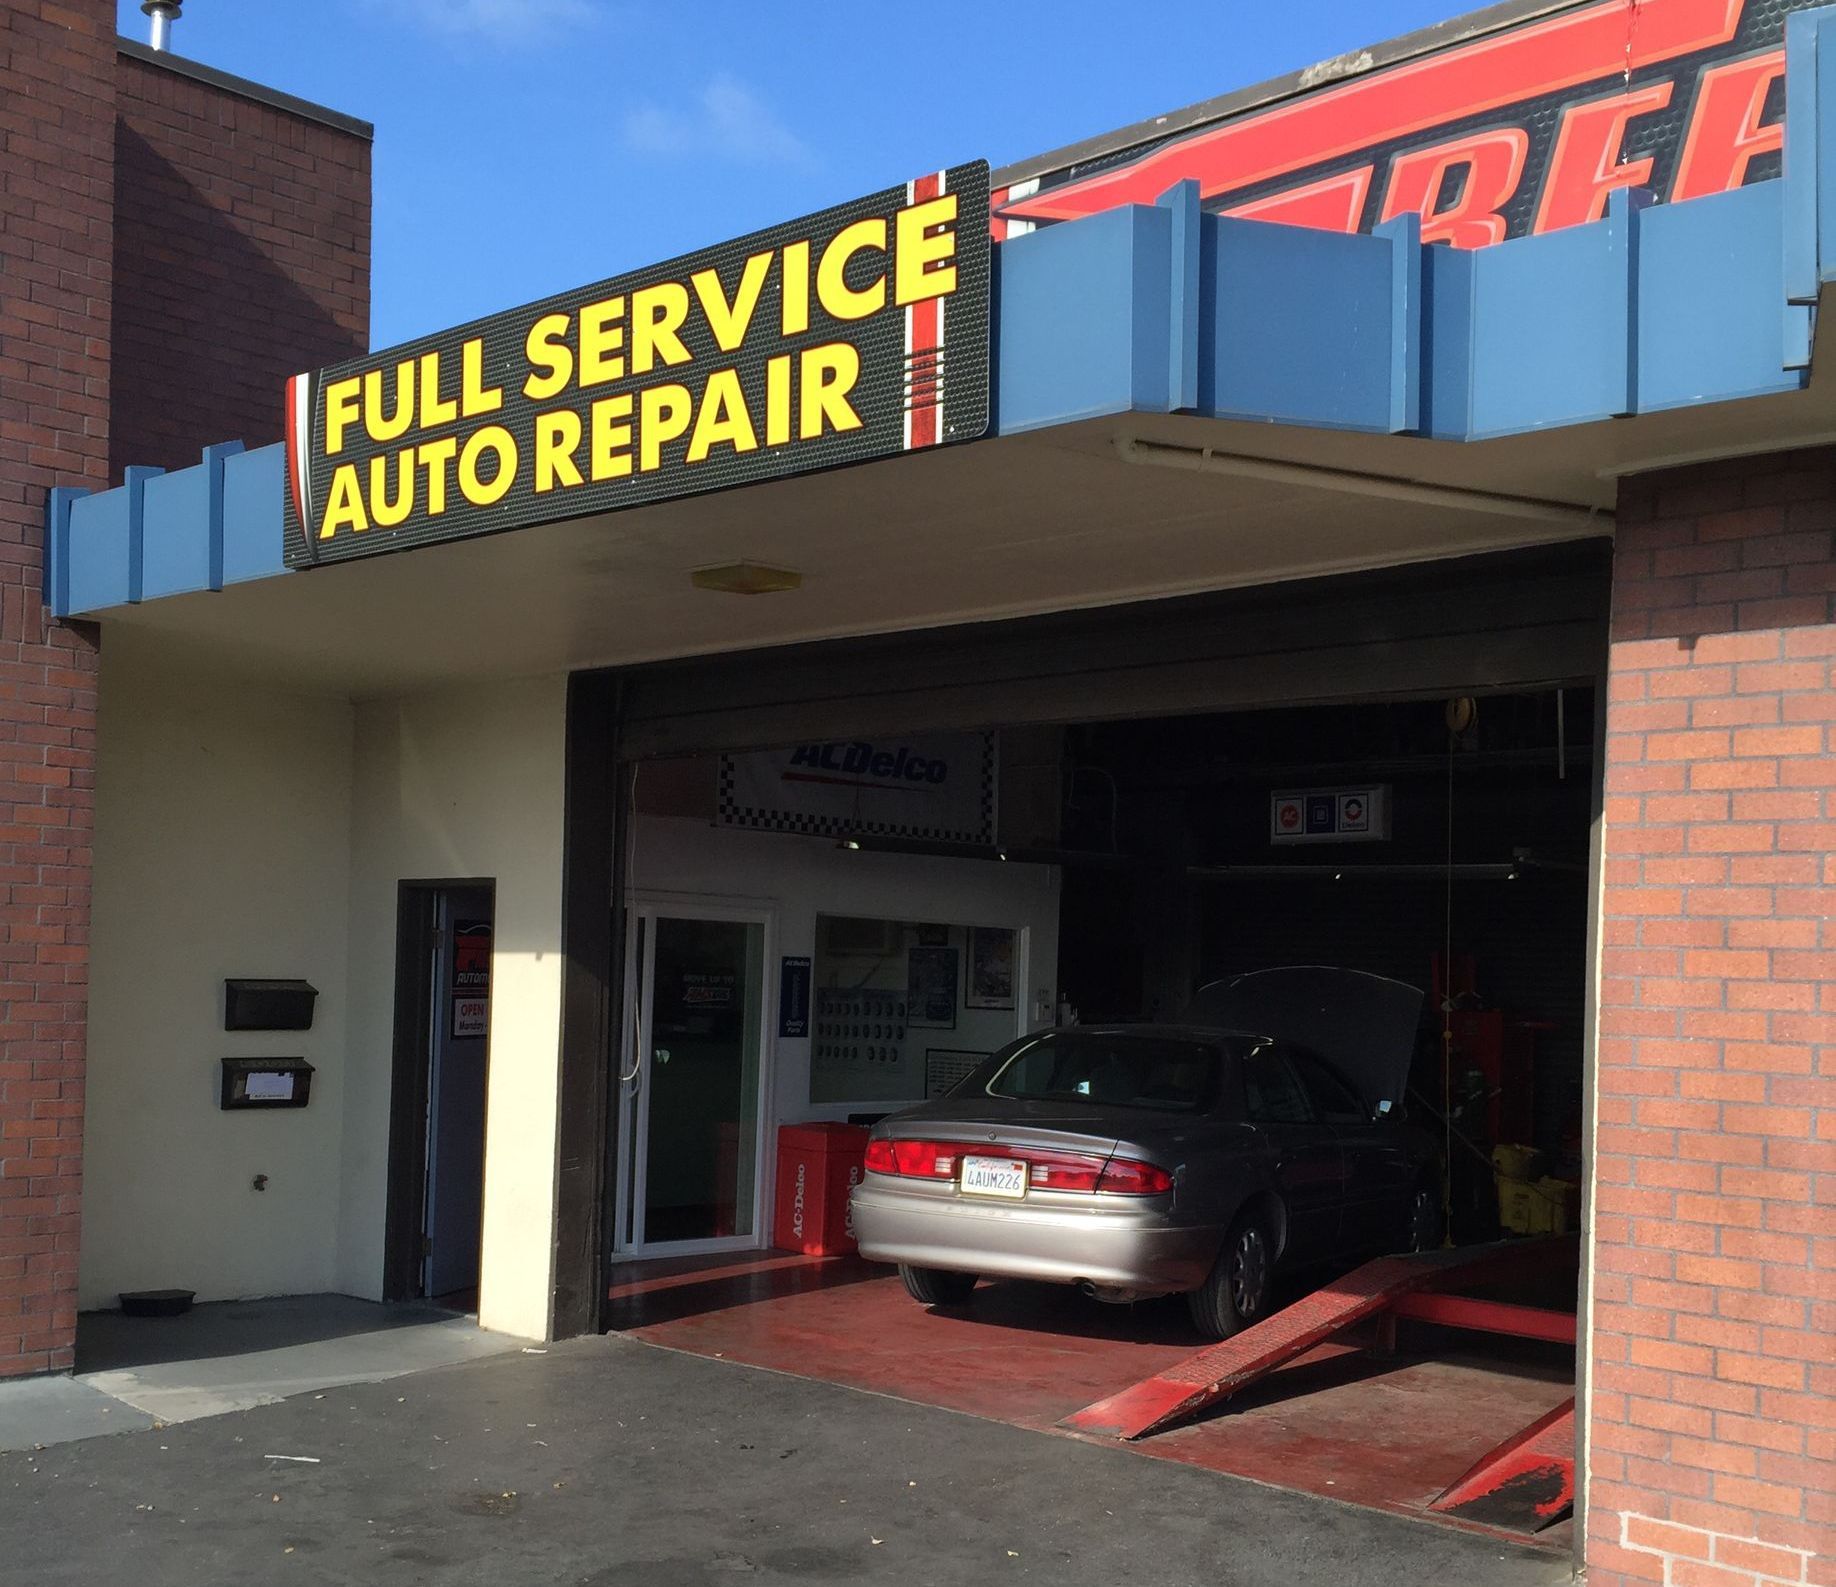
856 333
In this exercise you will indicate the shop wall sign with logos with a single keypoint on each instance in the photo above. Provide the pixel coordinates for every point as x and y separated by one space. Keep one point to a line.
856 333
1330 815
936 788
471 978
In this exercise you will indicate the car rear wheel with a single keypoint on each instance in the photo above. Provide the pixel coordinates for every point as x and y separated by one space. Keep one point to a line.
1237 1292
1424 1228
933 1286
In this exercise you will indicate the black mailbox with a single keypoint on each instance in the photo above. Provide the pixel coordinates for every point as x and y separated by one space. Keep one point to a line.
265 1083
268 1005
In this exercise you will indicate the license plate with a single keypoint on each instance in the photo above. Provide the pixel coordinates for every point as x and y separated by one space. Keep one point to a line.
994 1176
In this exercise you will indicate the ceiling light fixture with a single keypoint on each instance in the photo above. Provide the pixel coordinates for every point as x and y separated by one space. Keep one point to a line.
746 578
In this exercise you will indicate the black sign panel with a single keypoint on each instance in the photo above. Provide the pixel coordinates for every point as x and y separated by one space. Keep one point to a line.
856 333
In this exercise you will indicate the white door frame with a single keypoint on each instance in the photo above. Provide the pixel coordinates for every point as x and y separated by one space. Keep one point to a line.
632 1077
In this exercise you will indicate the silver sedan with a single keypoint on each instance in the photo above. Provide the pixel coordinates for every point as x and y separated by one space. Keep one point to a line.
1148 1160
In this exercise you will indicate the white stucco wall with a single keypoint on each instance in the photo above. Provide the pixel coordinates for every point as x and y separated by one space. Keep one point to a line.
222 825
462 785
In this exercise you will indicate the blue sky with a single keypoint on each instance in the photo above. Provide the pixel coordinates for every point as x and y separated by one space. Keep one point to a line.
527 146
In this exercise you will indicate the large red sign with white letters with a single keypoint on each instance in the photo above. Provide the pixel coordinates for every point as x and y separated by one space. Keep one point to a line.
1526 129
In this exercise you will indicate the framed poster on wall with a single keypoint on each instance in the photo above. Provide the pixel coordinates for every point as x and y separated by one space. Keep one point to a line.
991 968
930 988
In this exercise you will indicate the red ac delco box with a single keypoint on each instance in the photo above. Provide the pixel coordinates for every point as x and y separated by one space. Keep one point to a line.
817 1163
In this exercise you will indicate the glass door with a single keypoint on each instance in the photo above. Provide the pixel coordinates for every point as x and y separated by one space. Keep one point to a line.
692 1081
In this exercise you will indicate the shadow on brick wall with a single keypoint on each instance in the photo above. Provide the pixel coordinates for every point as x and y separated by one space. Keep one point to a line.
213 311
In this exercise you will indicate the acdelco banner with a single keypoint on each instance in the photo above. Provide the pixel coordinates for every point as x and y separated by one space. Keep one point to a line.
936 788
1523 128
852 334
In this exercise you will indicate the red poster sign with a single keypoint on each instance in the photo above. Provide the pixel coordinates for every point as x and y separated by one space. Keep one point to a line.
1526 128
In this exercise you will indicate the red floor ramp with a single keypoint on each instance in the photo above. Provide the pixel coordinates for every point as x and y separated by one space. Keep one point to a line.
1527 1482
1181 1391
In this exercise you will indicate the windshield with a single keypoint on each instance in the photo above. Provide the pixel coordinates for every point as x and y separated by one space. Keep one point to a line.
1115 1070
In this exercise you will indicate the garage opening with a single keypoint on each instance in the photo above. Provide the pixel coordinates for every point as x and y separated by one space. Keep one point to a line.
1392 775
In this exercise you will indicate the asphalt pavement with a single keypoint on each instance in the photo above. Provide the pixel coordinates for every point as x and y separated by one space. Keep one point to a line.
609 1461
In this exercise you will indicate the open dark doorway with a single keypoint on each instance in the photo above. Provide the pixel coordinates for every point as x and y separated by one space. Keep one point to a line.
437 1111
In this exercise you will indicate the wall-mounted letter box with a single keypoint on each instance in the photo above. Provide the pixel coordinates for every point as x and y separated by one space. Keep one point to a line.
268 1005
265 1083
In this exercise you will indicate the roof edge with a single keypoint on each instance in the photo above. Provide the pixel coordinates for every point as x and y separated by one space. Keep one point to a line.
243 88
1354 63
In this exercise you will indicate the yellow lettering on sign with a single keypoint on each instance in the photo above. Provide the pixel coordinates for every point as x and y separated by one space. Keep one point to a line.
385 512
437 458
663 415
475 397
548 353
722 419
602 333
610 454
344 503
777 400
501 444
378 427
827 375
557 436
832 290
926 238
657 314
795 318
730 321
435 409
341 410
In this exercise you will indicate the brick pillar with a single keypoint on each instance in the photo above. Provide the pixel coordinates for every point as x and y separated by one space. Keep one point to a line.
1713 1430
57 62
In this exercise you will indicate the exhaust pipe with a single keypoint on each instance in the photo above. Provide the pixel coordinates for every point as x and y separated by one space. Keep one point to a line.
161 14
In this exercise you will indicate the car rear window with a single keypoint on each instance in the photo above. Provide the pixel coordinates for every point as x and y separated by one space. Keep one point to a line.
1108 1071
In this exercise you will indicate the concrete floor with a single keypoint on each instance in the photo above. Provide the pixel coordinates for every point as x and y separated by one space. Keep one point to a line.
141 1372
610 1461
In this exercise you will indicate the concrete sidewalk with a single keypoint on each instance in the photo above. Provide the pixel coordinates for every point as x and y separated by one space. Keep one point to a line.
136 1373
611 1461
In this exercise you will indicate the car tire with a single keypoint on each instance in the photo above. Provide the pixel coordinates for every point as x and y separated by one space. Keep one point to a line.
1423 1229
934 1286
1238 1291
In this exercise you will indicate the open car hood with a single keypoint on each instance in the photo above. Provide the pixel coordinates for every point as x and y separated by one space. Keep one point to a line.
1363 1025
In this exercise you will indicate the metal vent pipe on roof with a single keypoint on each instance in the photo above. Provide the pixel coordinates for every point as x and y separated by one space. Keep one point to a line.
161 15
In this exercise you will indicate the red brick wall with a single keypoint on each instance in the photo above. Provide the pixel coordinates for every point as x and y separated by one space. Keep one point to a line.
1713 1429
242 256
57 66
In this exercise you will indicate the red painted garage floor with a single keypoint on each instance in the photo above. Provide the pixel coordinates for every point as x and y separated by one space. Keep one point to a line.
1340 1422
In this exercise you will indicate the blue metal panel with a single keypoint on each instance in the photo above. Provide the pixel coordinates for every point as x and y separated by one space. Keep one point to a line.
177 538
1300 325
1181 202
105 543
1405 237
1708 311
1083 325
1447 342
254 520
1802 131
58 502
1549 330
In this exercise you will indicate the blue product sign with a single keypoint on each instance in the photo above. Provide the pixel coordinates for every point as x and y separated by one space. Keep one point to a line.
1322 813
794 998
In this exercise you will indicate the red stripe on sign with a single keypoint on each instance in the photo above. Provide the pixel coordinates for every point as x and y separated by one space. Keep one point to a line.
924 324
296 449
1605 40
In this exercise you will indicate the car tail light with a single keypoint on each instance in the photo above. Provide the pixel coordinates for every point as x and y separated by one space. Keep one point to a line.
1059 1170
880 1158
925 1159
1123 1176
